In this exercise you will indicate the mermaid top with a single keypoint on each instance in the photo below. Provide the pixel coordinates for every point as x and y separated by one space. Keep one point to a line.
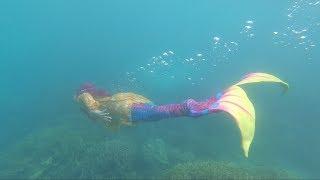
120 105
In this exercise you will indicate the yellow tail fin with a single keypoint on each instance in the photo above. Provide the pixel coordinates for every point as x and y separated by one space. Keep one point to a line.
262 77
236 102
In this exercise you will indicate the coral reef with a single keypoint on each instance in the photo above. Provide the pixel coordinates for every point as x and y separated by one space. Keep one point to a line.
222 170
178 156
65 152
115 155
155 153
61 153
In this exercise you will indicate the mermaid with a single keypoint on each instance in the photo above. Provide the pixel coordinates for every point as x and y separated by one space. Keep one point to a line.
126 109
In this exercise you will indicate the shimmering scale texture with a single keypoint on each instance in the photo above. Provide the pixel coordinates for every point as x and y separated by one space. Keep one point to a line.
147 112
200 108
191 108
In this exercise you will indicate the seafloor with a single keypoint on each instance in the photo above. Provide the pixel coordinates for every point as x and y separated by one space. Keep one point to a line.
86 151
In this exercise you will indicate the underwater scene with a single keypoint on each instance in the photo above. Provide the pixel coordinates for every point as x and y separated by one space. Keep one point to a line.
159 89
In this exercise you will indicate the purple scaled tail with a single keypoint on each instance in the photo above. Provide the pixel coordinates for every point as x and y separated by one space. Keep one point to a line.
190 108
148 112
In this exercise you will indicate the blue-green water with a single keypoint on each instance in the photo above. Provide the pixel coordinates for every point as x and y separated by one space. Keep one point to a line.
167 51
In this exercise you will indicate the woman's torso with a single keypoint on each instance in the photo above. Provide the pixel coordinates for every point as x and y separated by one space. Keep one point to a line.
119 105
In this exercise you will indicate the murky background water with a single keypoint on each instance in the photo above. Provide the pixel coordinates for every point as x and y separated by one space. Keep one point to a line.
167 51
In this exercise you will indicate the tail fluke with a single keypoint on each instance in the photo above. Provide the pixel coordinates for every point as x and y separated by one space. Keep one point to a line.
236 102
262 77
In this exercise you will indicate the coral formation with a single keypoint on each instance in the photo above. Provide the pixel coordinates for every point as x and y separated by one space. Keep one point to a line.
155 152
177 156
221 170
65 152
119 155
61 153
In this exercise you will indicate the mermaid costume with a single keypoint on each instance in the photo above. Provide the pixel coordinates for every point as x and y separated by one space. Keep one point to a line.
134 108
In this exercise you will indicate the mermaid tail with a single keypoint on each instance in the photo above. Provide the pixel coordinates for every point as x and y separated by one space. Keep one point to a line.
262 77
236 102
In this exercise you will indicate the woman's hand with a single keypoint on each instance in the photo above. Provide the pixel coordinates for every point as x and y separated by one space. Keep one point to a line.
101 114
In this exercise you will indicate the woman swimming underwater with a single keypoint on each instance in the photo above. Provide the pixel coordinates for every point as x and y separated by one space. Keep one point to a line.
125 109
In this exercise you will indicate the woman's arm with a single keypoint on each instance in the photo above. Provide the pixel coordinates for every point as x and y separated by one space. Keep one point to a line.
92 107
